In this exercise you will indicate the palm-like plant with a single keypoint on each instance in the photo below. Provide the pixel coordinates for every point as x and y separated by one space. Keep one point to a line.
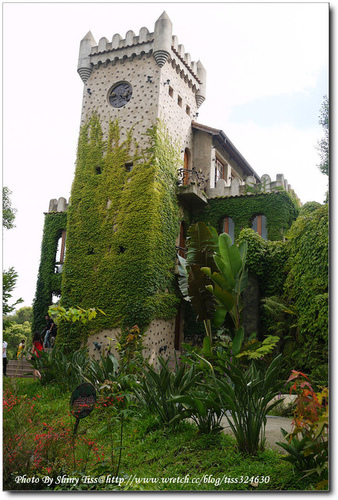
229 280
158 387
248 395
213 278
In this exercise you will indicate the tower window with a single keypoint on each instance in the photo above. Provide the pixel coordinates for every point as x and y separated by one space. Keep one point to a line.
179 101
60 252
171 92
187 110
259 225
129 166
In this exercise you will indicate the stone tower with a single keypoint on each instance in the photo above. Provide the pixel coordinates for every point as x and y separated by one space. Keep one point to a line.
123 217
141 78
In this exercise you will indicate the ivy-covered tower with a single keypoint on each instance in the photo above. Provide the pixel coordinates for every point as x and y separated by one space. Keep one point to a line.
140 79
145 170
123 216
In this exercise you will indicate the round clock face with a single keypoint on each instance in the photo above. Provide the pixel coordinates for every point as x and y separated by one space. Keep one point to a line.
120 94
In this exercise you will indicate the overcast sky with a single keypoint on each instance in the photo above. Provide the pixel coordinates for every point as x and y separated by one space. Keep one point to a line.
267 74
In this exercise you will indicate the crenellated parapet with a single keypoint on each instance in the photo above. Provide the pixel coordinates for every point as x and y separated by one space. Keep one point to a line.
59 205
250 186
160 44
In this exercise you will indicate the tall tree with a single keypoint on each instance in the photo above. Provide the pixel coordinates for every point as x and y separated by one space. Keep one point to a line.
10 276
8 212
323 144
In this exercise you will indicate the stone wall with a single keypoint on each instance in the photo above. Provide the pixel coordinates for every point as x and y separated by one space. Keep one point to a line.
158 341
237 188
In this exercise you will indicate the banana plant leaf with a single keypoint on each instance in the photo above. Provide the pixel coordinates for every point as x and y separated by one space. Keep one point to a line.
202 300
237 342
202 244
183 278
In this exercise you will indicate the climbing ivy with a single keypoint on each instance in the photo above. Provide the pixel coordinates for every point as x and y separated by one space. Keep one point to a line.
48 282
122 228
280 209
294 274
266 260
306 289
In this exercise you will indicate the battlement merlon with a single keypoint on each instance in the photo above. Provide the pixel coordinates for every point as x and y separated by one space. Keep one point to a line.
250 186
59 205
160 43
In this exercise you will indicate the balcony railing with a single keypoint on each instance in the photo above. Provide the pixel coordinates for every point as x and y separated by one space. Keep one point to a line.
187 177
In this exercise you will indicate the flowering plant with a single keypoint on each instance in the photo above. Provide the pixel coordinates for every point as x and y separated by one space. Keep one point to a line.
307 444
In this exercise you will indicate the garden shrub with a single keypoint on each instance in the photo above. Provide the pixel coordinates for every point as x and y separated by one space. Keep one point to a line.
249 394
65 369
307 444
158 387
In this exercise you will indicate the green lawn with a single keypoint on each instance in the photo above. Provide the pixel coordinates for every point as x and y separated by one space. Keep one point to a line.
40 453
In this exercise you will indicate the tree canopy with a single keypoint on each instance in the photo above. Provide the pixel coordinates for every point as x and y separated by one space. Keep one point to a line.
8 212
323 144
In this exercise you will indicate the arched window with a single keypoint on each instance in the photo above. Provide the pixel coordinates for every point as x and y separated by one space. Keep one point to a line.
60 252
259 225
228 226
186 167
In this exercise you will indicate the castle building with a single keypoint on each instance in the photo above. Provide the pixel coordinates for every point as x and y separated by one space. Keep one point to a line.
146 169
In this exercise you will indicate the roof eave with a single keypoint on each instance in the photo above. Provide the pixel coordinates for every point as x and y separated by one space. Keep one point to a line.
229 147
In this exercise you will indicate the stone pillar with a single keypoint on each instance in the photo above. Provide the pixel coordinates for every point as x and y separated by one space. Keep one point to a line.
162 39
84 67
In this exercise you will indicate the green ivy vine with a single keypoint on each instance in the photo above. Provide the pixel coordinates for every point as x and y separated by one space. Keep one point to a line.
122 228
279 208
48 282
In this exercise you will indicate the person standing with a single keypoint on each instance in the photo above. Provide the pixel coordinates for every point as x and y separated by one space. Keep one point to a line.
4 357
36 350
49 327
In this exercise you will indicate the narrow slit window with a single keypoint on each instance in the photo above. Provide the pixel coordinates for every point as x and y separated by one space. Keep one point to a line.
60 252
